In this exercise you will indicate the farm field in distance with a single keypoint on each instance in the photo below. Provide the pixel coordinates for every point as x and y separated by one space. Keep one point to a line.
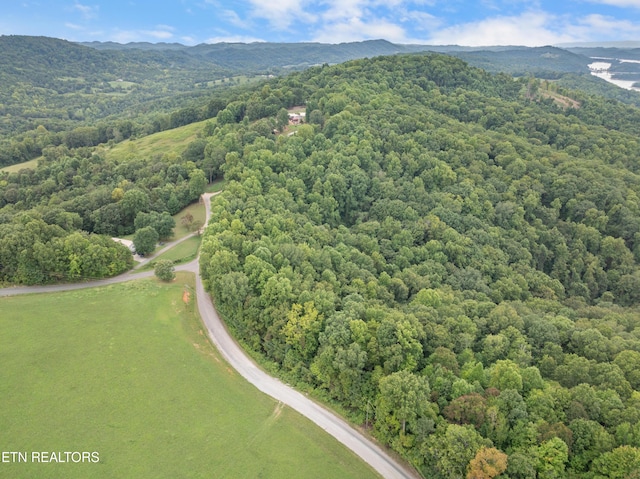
127 371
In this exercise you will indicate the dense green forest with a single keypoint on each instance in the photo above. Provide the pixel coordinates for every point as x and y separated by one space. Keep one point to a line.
542 62
452 262
451 257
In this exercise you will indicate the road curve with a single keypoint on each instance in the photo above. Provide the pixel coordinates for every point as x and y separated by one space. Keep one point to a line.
371 453
366 449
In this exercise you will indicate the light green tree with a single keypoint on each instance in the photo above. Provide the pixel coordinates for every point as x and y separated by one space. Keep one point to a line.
164 270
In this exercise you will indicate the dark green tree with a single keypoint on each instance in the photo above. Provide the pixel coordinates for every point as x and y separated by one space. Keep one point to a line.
145 240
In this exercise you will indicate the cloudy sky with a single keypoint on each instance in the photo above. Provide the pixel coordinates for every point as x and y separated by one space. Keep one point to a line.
484 22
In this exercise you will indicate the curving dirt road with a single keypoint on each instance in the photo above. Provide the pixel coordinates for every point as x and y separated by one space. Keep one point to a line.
366 449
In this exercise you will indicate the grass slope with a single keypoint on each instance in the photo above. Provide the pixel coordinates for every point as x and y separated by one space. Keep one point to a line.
158 144
126 370
172 142
31 165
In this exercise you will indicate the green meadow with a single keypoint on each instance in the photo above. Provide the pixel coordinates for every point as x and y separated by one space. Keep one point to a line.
31 165
172 142
126 371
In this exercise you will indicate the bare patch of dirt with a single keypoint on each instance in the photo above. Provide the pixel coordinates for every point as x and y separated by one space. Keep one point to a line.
561 100
277 411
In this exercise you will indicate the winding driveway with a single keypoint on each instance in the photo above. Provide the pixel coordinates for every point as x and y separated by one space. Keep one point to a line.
366 449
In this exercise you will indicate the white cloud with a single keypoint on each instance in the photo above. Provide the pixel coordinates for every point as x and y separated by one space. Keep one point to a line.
344 9
234 19
535 28
126 36
609 28
73 26
282 14
157 34
332 20
355 29
87 11
529 29
421 21
355 20
168 28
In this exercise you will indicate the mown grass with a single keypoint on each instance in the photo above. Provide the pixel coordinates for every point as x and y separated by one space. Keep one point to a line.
180 253
126 370
183 252
197 211
215 186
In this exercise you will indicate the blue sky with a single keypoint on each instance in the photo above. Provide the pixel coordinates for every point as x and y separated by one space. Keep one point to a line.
436 22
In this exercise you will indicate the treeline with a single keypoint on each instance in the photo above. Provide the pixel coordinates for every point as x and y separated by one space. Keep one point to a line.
599 88
542 62
36 252
453 263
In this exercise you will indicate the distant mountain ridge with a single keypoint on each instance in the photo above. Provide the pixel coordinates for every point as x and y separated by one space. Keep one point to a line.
263 56
623 45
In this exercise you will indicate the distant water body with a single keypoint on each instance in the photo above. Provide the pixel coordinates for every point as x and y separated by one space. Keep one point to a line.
601 67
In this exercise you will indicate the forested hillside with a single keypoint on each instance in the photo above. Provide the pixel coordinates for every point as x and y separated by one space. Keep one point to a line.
451 258
54 92
51 87
542 62
272 57
59 83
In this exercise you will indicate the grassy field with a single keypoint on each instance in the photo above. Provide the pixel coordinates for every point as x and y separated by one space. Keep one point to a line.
126 371
31 164
165 142
197 210
215 186
181 253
